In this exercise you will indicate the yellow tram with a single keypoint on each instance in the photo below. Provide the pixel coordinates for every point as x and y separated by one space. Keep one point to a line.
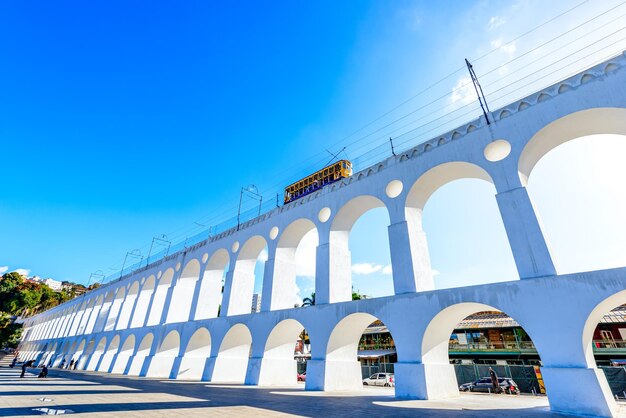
316 181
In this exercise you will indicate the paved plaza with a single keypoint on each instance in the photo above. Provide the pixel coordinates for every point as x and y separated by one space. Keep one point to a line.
99 395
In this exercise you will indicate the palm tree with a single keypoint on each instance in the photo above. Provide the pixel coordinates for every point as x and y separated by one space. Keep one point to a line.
310 301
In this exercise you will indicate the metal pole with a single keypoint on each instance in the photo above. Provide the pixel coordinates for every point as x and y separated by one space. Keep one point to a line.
479 90
239 209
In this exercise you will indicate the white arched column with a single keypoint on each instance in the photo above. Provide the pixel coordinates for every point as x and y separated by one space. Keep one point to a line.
128 306
103 313
273 364
335 366
114 311
85 319
159 300
166 355
142 304
229 364
120 362
209 296
197 352
239 285
109 356
280 289
83 360
183 293
136 362
94 359
93 317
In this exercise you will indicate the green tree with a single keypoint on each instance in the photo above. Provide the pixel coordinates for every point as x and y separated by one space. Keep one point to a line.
309 301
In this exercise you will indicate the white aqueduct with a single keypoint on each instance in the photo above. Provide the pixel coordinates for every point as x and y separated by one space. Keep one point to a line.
162 320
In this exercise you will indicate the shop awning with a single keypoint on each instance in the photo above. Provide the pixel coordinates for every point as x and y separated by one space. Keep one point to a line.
373 354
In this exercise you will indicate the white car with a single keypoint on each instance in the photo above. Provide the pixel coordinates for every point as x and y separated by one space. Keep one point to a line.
379 379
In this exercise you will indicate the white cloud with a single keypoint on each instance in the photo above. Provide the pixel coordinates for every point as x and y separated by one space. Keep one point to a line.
23 272
387 270
364 269
435 272
508 48
495 22
4 269
463 91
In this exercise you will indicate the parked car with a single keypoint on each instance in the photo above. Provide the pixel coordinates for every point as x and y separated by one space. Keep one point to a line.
507 385
302 377
379 379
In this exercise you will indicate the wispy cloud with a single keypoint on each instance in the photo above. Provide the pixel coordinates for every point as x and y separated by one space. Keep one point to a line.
463 92
4 269
508 48
495 22
365 269
23 272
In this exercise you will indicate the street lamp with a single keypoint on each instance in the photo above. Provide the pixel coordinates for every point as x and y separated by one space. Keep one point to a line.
136 253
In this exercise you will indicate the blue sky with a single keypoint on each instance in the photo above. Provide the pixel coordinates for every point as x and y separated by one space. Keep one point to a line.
122 121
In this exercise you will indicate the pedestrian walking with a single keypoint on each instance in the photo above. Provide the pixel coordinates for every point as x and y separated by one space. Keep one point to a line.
23 369
71 364
62 365
495 384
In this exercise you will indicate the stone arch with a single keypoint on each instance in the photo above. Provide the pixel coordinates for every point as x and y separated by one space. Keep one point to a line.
97 354
233 355
574 174
437 377
95 313
78 353
608 120
278 366
594 318
78 317
340 269
89 304
183 292
428 183
139 358
420 193
284 287
48 357
115 309
109 355
123 356
166 353
143 302
159 296
342 368
89 350
243 277
197 351
210 296
128 305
